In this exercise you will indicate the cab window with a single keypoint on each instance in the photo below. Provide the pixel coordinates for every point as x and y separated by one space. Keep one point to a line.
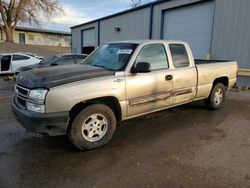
179 55
155 55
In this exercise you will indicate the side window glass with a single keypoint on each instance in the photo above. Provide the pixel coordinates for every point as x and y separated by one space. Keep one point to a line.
179 55
80 58
65 60
20 57
155 55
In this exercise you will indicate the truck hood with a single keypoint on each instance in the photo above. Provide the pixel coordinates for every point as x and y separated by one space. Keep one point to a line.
21 69
49 77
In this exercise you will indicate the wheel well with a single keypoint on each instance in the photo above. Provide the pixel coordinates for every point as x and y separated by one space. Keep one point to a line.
224 80
112 102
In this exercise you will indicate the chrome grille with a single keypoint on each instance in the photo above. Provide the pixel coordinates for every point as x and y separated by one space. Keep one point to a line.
21 96
22 91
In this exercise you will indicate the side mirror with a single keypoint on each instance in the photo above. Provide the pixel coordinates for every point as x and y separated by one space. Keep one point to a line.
141 67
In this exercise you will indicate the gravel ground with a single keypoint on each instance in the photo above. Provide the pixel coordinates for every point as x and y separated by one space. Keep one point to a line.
187 146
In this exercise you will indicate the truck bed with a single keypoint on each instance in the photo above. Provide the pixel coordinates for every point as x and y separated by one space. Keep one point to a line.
209 70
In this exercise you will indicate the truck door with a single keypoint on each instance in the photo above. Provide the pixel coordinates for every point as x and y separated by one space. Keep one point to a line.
184 74
149 91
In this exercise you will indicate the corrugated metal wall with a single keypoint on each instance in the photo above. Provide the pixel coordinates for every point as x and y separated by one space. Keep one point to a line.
231 33
133 25
230 36
192 24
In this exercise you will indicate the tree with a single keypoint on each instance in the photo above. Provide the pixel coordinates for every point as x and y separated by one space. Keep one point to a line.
134 3
14 12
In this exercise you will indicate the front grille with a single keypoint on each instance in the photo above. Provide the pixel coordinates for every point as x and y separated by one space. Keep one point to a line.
22 91
21 96
21 101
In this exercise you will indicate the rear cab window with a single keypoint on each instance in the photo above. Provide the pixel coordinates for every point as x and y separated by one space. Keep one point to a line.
179 55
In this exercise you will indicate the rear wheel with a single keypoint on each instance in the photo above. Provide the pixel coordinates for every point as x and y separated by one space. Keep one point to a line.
93 127
217 97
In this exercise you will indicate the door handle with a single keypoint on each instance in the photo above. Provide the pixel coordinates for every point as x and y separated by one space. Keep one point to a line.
168 77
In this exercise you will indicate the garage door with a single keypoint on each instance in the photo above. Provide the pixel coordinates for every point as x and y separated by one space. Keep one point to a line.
192 24
88 43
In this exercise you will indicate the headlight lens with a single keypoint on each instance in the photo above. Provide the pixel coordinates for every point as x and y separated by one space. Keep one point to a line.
38 94
36 102
36 107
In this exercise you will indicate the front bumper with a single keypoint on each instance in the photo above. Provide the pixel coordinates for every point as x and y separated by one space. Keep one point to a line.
53 124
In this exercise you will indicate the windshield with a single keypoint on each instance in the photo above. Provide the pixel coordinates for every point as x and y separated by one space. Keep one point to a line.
113 57
50 60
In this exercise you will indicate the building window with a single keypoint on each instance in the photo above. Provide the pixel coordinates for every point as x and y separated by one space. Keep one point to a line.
21 38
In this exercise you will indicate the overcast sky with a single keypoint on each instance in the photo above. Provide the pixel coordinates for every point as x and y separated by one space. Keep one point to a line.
80 11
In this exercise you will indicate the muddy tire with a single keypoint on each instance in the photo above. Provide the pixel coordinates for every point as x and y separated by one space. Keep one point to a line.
216 97
93 127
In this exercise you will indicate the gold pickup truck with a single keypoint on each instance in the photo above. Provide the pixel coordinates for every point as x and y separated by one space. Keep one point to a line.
118 81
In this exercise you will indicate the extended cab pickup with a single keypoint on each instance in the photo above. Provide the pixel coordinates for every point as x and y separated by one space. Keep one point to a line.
118 81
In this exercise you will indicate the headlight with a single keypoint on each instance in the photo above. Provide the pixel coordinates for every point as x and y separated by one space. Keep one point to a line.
38 94
36 100
36 107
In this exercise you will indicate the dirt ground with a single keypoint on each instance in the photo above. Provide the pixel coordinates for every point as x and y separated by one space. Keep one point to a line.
187 146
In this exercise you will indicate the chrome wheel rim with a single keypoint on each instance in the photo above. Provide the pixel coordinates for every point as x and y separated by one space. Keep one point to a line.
218 96
94 127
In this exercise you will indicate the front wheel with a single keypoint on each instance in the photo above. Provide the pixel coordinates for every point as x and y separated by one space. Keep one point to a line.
217 97
93 127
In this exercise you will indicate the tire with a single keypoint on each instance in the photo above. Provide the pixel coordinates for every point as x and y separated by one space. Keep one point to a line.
93 127
216 97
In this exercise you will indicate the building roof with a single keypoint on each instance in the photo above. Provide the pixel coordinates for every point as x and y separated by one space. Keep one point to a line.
37 30
143 41
123 12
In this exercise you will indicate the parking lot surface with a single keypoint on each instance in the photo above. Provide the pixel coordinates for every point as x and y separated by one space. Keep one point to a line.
187 146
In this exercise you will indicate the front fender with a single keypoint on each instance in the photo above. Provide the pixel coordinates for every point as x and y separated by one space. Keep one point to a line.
63 98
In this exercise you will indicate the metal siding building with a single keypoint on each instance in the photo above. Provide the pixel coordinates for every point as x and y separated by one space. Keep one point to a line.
216 29
136 22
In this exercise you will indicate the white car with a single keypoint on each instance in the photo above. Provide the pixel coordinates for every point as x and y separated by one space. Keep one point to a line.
33 55
9 63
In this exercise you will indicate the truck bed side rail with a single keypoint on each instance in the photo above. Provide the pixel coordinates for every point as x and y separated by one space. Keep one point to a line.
204 61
